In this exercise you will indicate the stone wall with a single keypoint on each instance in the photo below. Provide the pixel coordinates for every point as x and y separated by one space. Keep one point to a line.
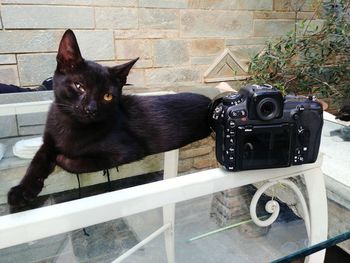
197 156
176 40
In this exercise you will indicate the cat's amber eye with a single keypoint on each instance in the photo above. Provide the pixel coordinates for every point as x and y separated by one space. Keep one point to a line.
108 97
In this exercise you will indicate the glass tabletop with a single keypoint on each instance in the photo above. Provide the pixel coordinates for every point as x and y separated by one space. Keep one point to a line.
216 227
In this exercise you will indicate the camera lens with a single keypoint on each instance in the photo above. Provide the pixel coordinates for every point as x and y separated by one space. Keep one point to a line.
267 109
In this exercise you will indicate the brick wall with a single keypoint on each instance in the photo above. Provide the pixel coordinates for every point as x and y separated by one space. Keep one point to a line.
176 40
197 156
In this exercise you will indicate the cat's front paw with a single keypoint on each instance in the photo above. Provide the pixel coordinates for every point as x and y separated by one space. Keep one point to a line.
20 195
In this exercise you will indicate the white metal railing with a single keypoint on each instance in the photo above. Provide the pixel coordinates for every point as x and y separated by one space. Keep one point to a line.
25 107
60 218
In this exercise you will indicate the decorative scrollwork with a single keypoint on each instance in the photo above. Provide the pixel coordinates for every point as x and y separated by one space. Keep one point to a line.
273 207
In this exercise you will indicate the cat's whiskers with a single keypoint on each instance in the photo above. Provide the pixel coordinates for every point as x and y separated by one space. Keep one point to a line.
61 104
66 108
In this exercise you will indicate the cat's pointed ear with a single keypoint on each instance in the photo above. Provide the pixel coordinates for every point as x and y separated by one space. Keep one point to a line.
68 56
121 71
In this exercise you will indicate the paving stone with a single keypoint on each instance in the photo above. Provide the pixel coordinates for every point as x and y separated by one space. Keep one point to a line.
8 59
140 64
9 74
338 218
263 28
34 68
145 33
216 23
306 15
163 3
207 47
14 16
273 15
159 18
170 52
96 45
130 49
194 152
287 5
282 5
188 146
76 2
202 60
20 41
247 41
255 4
185 165
144 63
126 3
282 15
136 77
119 18
204 142
235 208
232 5
202 162
35 251
169 76
110 238
207 4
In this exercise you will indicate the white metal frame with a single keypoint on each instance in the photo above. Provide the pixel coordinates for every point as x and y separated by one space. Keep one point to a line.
60 218
24 107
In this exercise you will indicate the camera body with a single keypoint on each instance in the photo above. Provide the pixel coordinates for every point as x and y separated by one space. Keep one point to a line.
258 128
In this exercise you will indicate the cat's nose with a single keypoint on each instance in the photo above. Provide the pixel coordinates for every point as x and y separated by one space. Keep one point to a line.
91 108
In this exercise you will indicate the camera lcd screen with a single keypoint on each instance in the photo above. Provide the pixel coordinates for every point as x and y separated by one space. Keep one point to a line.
266 147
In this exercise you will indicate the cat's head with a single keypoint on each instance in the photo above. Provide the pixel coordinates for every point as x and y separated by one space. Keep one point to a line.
85 90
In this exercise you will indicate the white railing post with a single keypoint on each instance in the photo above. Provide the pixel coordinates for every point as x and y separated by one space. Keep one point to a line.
171 160
318 207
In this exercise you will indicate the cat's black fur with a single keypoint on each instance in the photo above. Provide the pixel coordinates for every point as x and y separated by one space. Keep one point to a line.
91 126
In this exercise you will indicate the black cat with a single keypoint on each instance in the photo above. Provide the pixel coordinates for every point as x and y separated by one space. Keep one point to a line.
91 126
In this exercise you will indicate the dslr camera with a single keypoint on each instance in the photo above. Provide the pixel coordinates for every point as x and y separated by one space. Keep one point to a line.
258 128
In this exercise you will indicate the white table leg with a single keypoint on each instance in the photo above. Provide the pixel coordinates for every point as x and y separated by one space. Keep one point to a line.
169 217
314 180
170 170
